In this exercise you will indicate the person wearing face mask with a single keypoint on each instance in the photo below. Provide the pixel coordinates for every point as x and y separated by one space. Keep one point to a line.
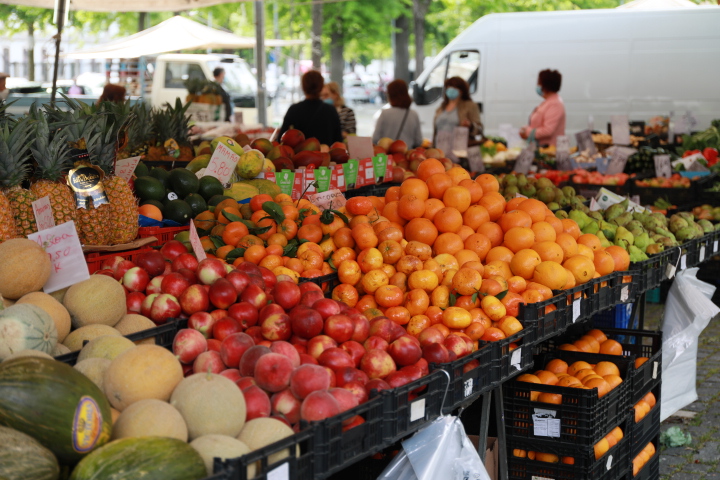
548 118
457 109
330 94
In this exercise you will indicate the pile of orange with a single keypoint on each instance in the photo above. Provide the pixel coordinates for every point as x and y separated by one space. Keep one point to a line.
643 407
600 449
604 376
594 341
642 458
608 442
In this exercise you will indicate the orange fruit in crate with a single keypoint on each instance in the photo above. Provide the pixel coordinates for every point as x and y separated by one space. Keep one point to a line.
554 398
620 257
650 399
557 366
546 457
582 268
601 448
639 361
610 347
598 335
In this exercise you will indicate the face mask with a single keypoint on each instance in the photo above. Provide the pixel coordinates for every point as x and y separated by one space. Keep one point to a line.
452 93
329 101
538 89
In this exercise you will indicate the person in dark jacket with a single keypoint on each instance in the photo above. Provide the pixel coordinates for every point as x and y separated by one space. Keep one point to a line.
219 74
312 116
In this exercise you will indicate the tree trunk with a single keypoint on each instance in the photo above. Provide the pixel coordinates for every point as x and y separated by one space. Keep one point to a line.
337 47
31 51
317 24
420 8
142 21
401 55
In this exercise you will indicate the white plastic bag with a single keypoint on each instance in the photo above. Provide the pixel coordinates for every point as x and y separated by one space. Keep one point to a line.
688 310
441 450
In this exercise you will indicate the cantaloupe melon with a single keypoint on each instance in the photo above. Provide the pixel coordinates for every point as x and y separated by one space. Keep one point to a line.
133 323
24 327
223 447
94 369
24 267
210 403
52 307
146 371
28 353
59 295
115 415
150 417
261 432
75 339
99 300
6 302
60 349
107 346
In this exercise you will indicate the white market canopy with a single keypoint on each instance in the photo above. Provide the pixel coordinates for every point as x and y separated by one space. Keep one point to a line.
176 33
124 5
658 4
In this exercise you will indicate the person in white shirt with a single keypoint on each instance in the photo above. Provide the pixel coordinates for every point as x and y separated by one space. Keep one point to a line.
4 92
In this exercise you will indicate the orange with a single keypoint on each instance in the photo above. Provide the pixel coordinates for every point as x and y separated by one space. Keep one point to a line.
620 256
519 453
233 232
500 253
535 208
342 237
476 191
568 460
478 243
271 261
151 211
391 251
494 203
590 240
549 250
448 219
577 366
346 294
584 373
465 232
432 206
390 212
488 183
490 287
518 238
392 195
493 308
421 230
455 317
475 216
311 233
497 268
516 284
544 232
389 233
389 296
458 174
370 259
448 243
613 380
417 302
512 302
373 280
359 206
598 335
568 244
457 197
583 346
611 347
555 398
204 220
604 262
568 381
586 251
429 167
255 253
424 280
550 274
421 250
571 227
515 218
410 206
543 289
650 399
468 256
467 281
556 366
555 222
568 347
529 378
581 267
221 218
570 280
493 232
639 361
546 377
414 186
602 386
524 262
256 202
547 457
447 262
417 324
513 203
437 184
594 345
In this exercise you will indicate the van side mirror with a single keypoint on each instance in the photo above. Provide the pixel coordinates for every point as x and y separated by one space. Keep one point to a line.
418 94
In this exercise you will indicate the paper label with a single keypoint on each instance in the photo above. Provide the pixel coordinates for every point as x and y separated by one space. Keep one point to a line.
43 213
380 164
196 244
554 427
540 427
125 167
702 253
309 182
281 472
624 294
715 246
417 410
201 173
444 141
605 198
585 142
475 161
516 358
620 129
669 271
535 477
525 159
562 153
576 309
662 166
460 141
594 205
618 160
655 369
360 147
86 185
62 245
683 262
222 163
689 161
332 199
545 424
87 425
608 465
468 387
520 195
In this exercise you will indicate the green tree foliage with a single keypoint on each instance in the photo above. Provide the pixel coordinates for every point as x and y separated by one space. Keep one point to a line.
16 19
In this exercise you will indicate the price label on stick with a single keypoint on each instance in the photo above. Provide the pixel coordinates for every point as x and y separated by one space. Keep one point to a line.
662 166
196 243
525 159
618 160
620 129
125 167
360 147
222 163
585 142
332 199
562 153
43 213
62 245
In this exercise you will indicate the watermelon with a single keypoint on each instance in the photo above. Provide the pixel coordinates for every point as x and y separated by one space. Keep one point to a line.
149 458
55 404
22 457
26 327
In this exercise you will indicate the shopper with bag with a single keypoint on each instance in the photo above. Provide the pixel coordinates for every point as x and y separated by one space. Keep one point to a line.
457 110
399 122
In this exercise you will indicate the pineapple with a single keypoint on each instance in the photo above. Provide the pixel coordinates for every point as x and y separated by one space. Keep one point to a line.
53 161
14 169
7 220
139 131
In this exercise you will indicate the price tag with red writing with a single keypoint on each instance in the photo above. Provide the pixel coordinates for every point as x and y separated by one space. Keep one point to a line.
331 199
196 244
43 213
62 245
222 164
125 167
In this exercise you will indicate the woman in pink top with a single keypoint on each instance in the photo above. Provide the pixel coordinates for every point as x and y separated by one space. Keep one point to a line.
548 118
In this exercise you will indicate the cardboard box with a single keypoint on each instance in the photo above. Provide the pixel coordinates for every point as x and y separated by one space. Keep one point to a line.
491 455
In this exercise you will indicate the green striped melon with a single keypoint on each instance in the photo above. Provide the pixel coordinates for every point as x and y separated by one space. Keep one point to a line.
149 458
26 327
55 404
23 458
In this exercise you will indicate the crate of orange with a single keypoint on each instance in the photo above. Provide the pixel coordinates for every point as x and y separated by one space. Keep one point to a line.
646 425
548 405
653 270
645 465
550 317
513 355
606 459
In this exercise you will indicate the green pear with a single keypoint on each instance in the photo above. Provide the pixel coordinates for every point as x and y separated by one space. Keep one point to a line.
591 227
687 216
706 225
660 218
642 241
603 239
636 255
685 234
521 180
553 206
581 218
509 179
561 214
613 212
528 190
623 237
568 191
636 231
634 224
650 222
597 216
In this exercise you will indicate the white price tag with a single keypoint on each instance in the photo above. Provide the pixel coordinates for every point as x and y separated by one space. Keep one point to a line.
279 473
332 199
196 244
683 262
360 147
702 253
608 465
662 166
516 358
624 294
670 271
43 213
540 427
715 246
562 153
417 410
525 159
620 129
124 168
655 369
222 163
585 142
594 205
369 174
468 387
618 160
554 427
62 245
576 309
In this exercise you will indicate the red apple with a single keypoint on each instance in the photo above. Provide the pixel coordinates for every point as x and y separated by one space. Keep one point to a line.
317 345
194 299
256 334
233 347
135 279
457 345
309 298
174 284
245 382
292 138
429 336
309 378
358 390
185 260
208 362
214 345
222 293
188 344
287 295
375 343
152 262
202 322
398 146
209 270
318 406
436 353
232 374
272 372
123 267
398 174
257 403
240 280
405 350
164 307
284 403
355 350
133 302
335 358
346 399
172 249
155 285
250 358
377 364
339 327
254 295
225 327
306 359
305 322
349 374
376 384
287 349
244 313
361 327
398 379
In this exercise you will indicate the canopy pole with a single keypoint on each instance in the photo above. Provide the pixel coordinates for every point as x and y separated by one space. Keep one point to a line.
61 6
260 101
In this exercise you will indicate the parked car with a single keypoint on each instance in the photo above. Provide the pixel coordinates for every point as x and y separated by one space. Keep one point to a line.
357 91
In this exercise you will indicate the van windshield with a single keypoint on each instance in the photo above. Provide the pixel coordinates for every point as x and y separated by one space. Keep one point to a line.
239 80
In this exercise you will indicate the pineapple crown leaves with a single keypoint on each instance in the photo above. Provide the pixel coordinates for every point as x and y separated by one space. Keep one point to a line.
5 117
52 154
15 152
101 145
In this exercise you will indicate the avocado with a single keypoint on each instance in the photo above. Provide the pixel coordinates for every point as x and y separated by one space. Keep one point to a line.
209 187
161 174
149 188
178 211
183 182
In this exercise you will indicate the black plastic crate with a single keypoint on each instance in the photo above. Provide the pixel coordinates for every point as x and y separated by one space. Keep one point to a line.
584 417
676 196
164 336
467 383
651 470
513 355
648 428
326 282
549 317
337 448
589 190
704 246
410 407
611 466
604 292
299 462
627 288
652 270
579 303
715 242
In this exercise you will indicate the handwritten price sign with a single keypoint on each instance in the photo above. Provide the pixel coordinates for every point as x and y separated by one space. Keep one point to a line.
126 167
43 213
62 245
222 164
662 166
196 244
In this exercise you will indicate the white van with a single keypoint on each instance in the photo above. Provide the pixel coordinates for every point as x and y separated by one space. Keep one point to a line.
613 62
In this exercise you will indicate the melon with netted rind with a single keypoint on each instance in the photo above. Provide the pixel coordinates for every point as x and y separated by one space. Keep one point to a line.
76 339
134 323
106 346
150 417
94 369
99 300
24 267
223 447
261 432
